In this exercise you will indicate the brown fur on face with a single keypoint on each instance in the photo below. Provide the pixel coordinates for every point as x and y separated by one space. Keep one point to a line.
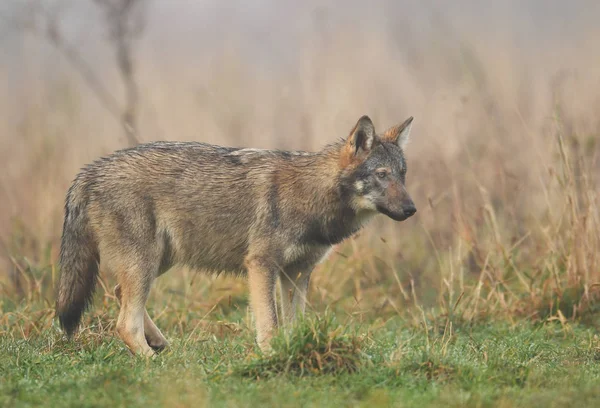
266 214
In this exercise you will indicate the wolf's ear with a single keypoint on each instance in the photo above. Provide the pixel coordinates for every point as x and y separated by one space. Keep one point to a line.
399 134
362 136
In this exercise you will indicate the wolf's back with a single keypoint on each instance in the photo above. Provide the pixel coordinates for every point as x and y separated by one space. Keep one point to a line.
194 203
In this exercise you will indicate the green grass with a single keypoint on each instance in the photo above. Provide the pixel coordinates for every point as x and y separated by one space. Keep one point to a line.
389 364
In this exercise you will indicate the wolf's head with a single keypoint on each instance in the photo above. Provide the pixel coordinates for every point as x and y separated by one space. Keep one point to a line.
374 169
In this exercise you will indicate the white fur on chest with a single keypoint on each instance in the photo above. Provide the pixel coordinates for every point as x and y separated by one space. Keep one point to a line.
309 254
363 218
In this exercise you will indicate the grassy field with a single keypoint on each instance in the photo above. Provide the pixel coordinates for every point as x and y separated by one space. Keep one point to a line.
484 309
367 354
323 362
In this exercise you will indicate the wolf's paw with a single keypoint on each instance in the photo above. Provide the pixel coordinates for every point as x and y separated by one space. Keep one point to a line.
157 345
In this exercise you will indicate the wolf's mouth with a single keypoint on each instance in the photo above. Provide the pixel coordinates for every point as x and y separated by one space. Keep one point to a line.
396 216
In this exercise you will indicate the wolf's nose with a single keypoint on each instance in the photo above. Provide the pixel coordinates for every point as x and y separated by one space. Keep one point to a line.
409 210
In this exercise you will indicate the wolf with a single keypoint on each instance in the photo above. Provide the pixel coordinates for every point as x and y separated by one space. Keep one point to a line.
269 215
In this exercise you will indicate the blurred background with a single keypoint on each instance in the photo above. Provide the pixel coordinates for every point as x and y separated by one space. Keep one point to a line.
503 162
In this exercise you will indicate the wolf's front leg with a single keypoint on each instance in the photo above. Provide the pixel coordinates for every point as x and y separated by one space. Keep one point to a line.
294 289
261 279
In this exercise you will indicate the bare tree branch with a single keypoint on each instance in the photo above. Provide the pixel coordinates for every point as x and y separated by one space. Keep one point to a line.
125 21
50 30
78 62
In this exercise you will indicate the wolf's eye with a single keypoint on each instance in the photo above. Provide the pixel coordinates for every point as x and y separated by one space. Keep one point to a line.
381 174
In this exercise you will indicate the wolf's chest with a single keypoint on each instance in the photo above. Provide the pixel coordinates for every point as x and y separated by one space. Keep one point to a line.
304 255
334 230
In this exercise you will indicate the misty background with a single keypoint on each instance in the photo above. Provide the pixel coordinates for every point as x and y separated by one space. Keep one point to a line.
490 84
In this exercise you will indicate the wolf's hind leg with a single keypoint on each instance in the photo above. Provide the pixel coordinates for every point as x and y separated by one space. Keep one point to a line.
153 335
130 324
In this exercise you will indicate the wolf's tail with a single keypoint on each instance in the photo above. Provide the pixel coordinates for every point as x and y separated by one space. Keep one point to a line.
78 262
